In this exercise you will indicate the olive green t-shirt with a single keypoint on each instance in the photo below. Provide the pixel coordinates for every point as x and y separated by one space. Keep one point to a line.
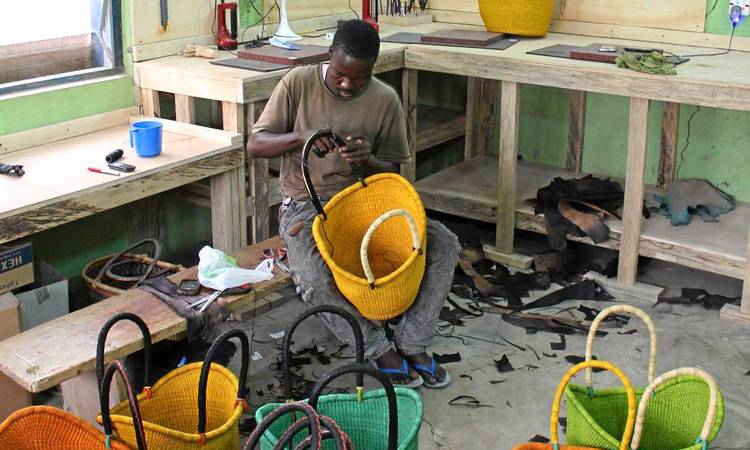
301 101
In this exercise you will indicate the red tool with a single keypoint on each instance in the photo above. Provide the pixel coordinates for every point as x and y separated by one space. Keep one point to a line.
367 15
94 169
226 39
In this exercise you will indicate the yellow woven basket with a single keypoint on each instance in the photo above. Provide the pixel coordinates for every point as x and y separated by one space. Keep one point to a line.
518 17
372 235
183 410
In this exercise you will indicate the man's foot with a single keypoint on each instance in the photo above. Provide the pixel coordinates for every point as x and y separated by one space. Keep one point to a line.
398 370
433 375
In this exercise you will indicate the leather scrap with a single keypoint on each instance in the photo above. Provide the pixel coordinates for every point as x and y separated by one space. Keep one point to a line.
446 358
591 224
691 296
541 322
480 283
693 196
585 290
503 365
576 359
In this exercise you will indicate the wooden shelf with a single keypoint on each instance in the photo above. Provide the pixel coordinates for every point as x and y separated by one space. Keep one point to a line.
469 189
436 125
199 193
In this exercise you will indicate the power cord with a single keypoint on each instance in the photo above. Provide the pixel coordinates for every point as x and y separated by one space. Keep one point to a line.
262 21
683 58
353 10
716 2
687 141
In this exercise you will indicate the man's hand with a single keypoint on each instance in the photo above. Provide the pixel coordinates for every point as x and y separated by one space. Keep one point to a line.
358 150
324 144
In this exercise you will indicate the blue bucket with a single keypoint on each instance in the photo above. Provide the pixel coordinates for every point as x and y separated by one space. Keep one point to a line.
145 138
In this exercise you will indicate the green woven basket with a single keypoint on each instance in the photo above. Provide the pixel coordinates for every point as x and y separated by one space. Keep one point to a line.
596 417
360 417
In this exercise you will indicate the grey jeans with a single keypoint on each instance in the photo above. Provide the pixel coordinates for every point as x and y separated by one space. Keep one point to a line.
315 285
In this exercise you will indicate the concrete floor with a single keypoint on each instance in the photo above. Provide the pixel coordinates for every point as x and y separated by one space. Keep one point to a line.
519 407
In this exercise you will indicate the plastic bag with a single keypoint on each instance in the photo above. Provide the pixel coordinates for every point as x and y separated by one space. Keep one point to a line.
219 271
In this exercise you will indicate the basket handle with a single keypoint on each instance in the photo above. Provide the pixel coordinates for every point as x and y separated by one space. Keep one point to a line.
390 394
633 311
650 391
135 411
102 340
359 346
309 144
157 255
313 422
416 241
206 368
629 391
331 431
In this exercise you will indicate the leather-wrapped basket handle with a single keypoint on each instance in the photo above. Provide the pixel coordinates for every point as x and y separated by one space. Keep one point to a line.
147 274
135 411
359 346
306 170
102 340
313 423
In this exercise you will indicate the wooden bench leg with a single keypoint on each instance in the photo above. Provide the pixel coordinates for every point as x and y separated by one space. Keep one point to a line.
184 107
150 100
409 88
741 313
80 396
636 165
259 179
228 218
481 106
670 123
576 130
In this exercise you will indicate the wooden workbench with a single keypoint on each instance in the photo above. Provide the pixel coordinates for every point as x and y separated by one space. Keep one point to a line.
57 187
64 349
243 94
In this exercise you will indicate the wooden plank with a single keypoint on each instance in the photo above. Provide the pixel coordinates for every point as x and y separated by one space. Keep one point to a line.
576 130
405 21
733 312
745 306
228 138
473 101
437 125
487 115
146 220
66 347
670 124
477 38
64 130
704 84
409 86
233 117
640 291
506 186
228 218
259 181
516 260
469 189
151 105
633 205
185 108
304 9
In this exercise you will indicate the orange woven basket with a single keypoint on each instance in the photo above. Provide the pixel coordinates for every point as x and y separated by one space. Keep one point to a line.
45 428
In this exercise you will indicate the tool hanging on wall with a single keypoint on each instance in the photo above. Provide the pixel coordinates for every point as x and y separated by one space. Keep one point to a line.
226 39
11 169
367 14
164 10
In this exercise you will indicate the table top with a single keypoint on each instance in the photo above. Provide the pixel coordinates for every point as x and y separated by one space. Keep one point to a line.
58 188
707 80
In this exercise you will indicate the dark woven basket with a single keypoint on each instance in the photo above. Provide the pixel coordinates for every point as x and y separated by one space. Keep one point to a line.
114 274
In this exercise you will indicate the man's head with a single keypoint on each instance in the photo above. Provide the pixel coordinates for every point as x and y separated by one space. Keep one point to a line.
354 50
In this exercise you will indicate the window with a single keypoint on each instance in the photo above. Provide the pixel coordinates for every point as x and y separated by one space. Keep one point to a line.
47 42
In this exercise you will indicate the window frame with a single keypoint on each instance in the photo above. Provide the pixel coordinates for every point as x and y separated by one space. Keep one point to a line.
79 75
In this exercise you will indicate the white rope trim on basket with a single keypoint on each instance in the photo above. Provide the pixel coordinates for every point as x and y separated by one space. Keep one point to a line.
713 401
632 310
416 242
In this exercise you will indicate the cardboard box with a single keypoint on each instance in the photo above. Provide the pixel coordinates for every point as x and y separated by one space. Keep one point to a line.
16 267
45 299
13 397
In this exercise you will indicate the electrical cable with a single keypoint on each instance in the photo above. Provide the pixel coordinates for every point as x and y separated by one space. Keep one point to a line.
716 2
261 21
687 141
724 52
353 10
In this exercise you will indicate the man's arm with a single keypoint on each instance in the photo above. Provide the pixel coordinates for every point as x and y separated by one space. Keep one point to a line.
264 144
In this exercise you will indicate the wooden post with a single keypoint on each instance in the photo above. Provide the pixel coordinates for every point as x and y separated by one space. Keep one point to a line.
150 99
257 171
506 186
576 130
409 88
741 313
184 107
670 123
636 165
233 117
487 114
228 218
473 101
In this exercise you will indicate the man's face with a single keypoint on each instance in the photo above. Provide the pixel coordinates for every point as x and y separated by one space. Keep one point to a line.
347 75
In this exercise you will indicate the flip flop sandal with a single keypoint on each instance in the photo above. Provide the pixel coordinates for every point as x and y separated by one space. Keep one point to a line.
402 374
431 371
